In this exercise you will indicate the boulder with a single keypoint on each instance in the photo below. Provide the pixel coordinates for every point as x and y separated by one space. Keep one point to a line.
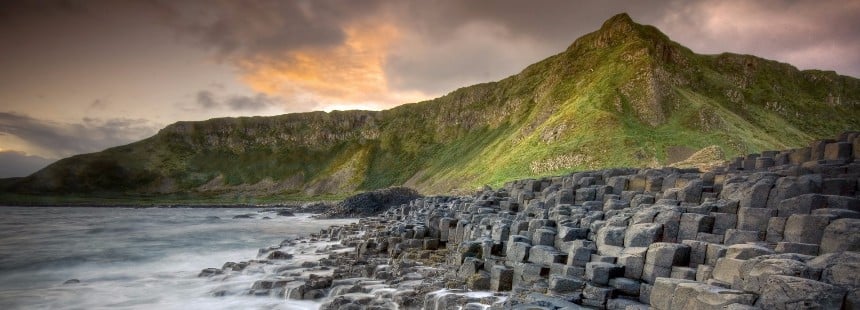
625 286
501 278
838 268
469 267
754 218
747 251
671 220
841 235
838 151
727 270
208 272
642 235
595 296
285 213
803 204
736 236
544 237
679 272
723 222
698 252
580 252
661 257
692 224
694 296
754 273
279 255
544 254
318 282
663 291
633 260
790 187
799 248
600 272
564 284
667 254
803 228
371 203
787 292
752 193
610 235
715 252
691 192
480 281
775 229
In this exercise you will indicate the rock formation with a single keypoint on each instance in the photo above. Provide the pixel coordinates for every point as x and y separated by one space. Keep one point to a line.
776 230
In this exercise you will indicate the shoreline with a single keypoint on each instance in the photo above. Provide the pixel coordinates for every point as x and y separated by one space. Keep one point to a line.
765 231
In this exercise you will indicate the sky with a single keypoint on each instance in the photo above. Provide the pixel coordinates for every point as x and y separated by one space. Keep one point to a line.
81 76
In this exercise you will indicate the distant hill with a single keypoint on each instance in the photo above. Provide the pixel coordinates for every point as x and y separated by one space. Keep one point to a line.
624 95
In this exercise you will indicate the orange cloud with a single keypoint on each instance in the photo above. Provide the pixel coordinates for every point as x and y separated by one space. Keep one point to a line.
348 76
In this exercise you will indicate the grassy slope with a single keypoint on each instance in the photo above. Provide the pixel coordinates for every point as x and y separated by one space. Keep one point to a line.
621 96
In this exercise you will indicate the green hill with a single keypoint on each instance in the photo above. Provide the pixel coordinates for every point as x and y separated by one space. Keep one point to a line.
625 95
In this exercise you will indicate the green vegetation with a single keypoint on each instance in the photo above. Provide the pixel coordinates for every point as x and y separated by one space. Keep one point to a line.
624 95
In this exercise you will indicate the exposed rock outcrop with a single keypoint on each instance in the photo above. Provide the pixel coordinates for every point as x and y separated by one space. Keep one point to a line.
775 230
371 203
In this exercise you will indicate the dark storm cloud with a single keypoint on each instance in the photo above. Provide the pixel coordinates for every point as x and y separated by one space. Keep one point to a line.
68 139
254 27
19 164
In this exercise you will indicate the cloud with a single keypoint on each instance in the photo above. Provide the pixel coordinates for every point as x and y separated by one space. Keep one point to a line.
56 140
807 34
254 27
438 67
379 54
98 104
384 53
206 99
352 72
250 103
19 164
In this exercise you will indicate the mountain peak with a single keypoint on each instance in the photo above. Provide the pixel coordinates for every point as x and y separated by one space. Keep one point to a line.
617 29
620 21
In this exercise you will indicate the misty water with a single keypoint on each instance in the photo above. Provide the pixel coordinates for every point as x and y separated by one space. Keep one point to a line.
129 258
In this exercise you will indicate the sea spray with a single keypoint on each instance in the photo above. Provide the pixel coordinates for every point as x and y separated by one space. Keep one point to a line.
126 258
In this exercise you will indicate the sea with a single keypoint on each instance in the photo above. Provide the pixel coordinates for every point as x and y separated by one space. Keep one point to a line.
138 258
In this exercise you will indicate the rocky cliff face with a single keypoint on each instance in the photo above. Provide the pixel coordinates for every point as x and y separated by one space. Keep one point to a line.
621 96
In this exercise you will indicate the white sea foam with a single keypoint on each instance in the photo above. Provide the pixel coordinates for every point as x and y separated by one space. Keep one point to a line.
138 258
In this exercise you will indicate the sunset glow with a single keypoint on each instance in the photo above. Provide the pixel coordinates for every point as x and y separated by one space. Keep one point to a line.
78 76
347 76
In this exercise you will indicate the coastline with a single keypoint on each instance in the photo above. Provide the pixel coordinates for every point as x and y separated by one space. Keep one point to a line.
762 232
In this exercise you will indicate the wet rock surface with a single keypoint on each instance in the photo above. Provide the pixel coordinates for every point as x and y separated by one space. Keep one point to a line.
371 203
754 234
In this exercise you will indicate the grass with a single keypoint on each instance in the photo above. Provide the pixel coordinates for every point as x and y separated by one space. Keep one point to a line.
621 96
